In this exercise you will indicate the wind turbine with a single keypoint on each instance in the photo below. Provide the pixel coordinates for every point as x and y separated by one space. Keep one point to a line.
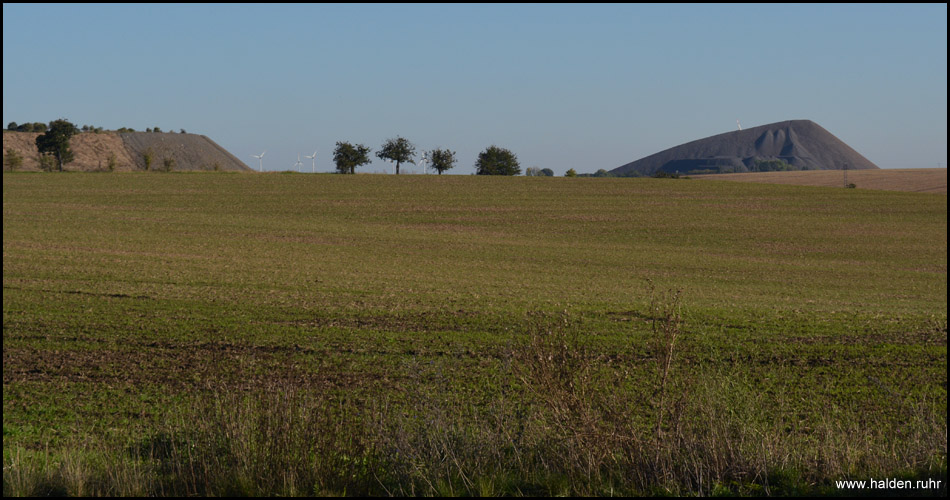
297 165
313 164
260 157
739 124
425 160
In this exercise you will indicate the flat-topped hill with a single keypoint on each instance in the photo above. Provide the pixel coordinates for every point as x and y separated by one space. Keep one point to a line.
788 145
93 151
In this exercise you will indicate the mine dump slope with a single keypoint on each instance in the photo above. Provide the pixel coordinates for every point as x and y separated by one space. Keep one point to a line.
803 144
190 152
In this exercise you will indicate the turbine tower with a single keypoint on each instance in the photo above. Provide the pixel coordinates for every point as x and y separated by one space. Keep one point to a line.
424 162
313 164
260 157
739 124
298 164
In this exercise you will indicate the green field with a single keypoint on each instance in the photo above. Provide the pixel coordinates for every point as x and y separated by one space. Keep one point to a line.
213 334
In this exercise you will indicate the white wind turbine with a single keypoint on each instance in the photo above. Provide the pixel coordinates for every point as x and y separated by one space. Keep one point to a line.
298 164
313 164
424 162
260 157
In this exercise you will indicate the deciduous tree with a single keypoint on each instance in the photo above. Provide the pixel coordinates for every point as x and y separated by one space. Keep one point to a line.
399 150
12 159
348 156
442 159
147 157
56 141
497 161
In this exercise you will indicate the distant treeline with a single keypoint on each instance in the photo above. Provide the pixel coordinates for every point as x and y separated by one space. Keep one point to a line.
42 128
604 173
492 161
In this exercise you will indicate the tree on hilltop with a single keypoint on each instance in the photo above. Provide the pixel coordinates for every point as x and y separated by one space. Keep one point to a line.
348 156
399 150
442 159
497 161
56 141
26 127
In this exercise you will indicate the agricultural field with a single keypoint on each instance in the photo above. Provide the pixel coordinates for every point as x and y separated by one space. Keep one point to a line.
292 334
917 180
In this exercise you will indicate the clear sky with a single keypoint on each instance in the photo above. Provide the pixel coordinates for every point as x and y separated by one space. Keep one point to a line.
562 86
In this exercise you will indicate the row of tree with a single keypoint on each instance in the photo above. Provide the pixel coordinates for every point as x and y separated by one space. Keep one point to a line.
492 161
54 143
41 127
538 172
26 127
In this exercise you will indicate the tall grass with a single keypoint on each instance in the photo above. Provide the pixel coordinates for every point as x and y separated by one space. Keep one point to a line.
569 420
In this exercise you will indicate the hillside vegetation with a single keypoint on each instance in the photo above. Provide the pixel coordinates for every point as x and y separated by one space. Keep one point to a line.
95 151
203 334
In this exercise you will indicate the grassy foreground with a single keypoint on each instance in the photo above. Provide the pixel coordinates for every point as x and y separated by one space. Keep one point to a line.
219 334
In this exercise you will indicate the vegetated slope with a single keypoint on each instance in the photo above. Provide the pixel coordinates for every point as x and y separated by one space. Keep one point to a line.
918 180
93 151
801 144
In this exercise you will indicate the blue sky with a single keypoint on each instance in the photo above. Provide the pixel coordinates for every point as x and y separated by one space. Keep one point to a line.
562 86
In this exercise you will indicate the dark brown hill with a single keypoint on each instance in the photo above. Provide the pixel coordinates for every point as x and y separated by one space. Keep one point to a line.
789 145
190 152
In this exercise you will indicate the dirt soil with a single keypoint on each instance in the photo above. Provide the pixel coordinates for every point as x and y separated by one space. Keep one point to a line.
919 180
92 151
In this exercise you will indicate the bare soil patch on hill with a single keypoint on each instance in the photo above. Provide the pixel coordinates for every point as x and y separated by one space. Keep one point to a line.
92 152
920 180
